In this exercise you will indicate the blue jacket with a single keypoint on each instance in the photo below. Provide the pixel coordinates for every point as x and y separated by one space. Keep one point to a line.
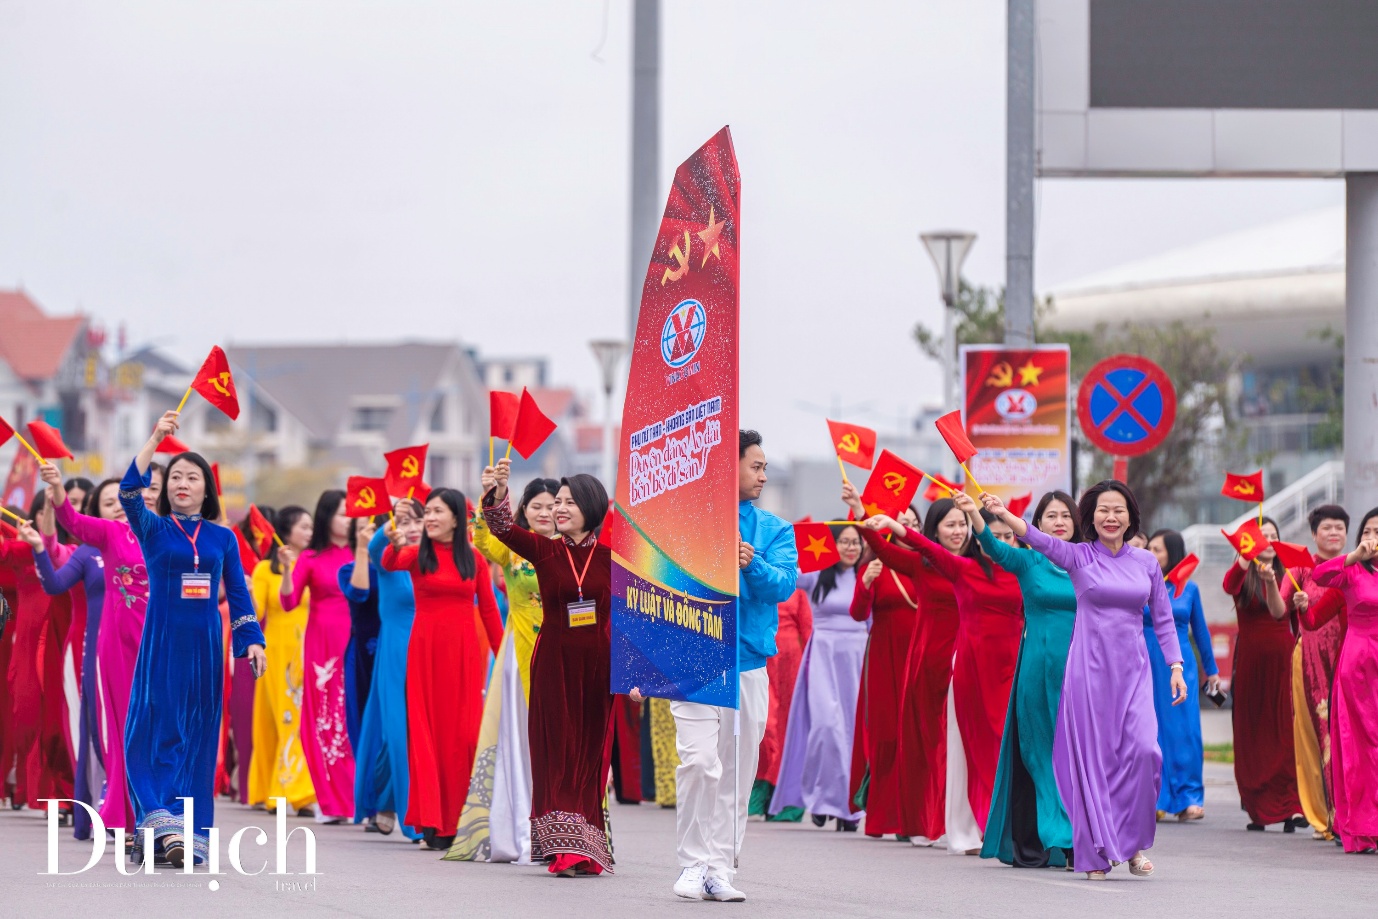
764 584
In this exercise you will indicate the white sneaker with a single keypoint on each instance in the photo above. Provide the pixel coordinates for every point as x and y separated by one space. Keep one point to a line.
690 883
718 889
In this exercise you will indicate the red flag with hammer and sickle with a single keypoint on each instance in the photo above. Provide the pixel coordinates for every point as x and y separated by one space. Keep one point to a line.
853 443
365 497
1244 487
891 487
1248 540
405 467
214 382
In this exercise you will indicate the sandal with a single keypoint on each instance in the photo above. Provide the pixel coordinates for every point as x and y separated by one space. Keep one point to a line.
1140 866
1195 812
173 851
1095 875
385 821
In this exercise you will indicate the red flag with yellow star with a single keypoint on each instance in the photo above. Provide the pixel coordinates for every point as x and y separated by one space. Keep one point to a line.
405 467
1244 487
817 548
1248 540
891 487
853 443
940 486
263 531
216 384
365 497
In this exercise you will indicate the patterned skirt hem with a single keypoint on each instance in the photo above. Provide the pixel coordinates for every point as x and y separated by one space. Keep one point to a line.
562 833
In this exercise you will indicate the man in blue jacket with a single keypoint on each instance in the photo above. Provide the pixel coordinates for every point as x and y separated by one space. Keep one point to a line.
708 831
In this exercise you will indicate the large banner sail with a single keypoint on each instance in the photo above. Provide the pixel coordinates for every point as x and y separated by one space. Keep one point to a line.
674 567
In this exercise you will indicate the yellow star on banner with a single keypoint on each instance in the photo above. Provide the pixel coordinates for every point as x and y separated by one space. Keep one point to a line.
817 546
874 510
709 235
1029 373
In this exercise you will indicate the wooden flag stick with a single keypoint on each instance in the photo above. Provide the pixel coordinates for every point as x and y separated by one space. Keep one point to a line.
971 478
1260 515
1293 578
839 523
185 397
28 446
508 454
12 515
940 484
842 469
490 451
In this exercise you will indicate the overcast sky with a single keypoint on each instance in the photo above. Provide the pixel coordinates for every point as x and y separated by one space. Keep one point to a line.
208 172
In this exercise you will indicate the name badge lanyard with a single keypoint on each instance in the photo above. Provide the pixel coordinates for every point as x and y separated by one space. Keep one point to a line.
195 554
579 575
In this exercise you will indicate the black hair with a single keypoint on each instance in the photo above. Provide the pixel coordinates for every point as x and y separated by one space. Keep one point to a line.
1253 581
1328 512
284 521
1087 507
1359 534
91 506
937 511
973 550
327 506
79 482
827 578
534 488
1068 502
210 504
1175 545
36 505
590 497
160 469
747 438
461 549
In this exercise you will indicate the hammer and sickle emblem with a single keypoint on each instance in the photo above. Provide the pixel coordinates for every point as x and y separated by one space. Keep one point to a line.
1002 374
221 382
849 443
410 470
1244 488
367 499
1246 543
681 256
895 482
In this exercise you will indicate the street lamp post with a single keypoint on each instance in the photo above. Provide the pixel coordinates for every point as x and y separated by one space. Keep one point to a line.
609 354
948 249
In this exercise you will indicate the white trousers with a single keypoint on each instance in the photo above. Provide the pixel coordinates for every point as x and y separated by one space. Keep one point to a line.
963 833
705 777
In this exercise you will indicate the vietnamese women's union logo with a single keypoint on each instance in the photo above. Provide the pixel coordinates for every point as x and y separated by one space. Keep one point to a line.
683 332
1016 405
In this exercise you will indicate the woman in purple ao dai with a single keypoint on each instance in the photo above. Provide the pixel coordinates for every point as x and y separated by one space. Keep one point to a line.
1105 751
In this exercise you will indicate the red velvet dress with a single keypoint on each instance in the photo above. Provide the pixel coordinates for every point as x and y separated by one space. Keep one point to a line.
891 605
43 766
1265 766
990 625
570 724
923 714
8 588
782 670
447 666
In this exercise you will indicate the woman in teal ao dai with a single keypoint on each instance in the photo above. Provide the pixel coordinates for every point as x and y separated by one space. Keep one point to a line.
1028 826
172 734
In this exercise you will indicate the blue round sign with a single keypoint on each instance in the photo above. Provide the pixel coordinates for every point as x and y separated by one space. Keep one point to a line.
1126 405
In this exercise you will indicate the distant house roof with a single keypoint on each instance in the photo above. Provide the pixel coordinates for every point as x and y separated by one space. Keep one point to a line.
318 384
32 343
554 403
158 361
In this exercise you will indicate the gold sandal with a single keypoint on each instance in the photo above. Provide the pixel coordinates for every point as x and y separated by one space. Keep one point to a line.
1140 866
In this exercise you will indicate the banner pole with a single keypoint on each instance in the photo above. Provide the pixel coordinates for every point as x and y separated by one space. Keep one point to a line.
736 778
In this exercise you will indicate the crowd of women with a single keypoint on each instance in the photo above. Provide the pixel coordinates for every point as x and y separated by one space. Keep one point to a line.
1025 691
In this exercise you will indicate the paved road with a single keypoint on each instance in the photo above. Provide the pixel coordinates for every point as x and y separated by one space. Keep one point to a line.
1207 869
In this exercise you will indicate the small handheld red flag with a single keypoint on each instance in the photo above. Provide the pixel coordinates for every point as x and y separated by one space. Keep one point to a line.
405 468
365 497
955 434
172 445
939 486
502 413
853 443
1243 487
1293 556
532 427
891 487
817 548
216 384
47 440
1019 505
264 532
6 432
215 474
1248 540
609 522
1182 572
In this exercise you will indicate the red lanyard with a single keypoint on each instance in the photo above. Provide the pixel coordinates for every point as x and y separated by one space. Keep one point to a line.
195 555
579 575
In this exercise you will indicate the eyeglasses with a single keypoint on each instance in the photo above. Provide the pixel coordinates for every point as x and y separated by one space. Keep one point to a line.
849 544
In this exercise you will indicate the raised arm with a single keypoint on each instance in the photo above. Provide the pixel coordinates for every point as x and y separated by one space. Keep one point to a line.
1332 572
166 427
57 581
297 574
95 531
1015 561
863 595
944 562
774 568
1201 633
1062 554
141 519
905 560
403 559
497 514
349 579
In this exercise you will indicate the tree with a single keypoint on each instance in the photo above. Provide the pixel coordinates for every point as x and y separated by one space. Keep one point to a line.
1204 429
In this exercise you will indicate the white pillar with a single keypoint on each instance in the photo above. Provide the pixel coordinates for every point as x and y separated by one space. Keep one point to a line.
1361 343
